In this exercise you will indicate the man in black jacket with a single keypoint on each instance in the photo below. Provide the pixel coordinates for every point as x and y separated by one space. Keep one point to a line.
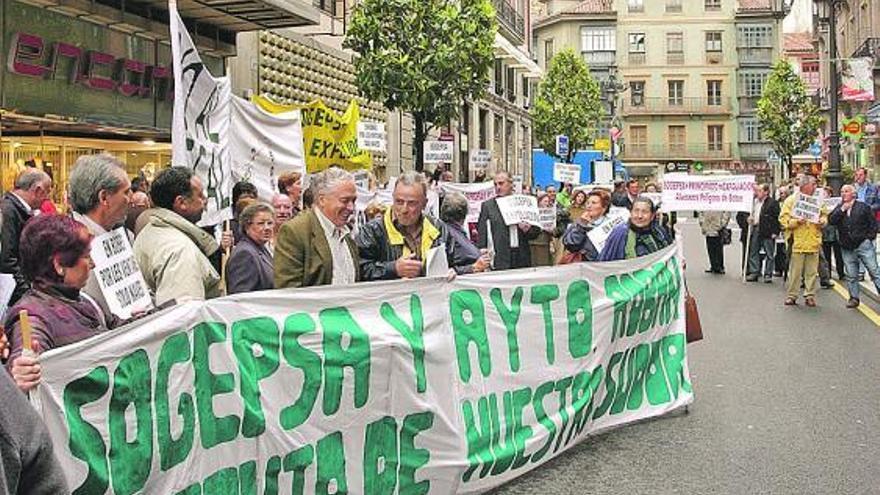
857 229
397 244
511 242
31 188
764 222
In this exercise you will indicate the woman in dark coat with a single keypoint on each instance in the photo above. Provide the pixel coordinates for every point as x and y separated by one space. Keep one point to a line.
250 268
576 238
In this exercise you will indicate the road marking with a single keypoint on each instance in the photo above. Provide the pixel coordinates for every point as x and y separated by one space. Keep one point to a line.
864 309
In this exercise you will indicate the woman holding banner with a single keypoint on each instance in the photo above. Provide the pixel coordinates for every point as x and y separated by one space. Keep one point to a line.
641 236
576 240
55 258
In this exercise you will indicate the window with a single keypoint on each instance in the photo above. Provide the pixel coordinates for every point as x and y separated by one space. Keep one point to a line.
637 42
677 138
712 5
637 93
675 48
499 77
715 137
635 5
713 93
713 41
676 93
526 90
597 39
755 37
511 84
548 52
752 131
810 75
638 137
673 6
751 84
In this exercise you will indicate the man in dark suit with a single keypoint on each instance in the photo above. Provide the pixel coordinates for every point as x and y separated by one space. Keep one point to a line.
511 242
31 188
316 247
764 223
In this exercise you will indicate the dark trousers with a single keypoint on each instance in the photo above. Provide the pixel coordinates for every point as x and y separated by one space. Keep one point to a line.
715 248
829 248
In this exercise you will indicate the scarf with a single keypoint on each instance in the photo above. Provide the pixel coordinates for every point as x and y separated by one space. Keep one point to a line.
643 241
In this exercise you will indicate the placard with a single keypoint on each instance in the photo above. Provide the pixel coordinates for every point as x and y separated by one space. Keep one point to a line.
480 159
476 194
599 235
567 172
119 277
808 208
372 136
707 192
519 208
547 218
439 151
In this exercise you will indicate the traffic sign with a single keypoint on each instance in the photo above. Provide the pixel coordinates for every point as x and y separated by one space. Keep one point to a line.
615 133
816 149
853 127
561 145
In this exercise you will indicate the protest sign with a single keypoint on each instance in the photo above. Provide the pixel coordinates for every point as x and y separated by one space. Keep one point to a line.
119 277
372 136
832 203
480 159
707 192
547 218
519 208
808 208
599 235
603 172
7 287
420 386
439 151
475 193
567 172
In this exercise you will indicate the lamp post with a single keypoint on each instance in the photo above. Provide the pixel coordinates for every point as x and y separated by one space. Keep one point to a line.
612 87
826 12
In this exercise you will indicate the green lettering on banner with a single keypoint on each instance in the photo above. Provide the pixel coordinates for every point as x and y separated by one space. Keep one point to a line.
542 417
468 330
635 305
412 334
296 462
640 363
649 307
579 306
586 399
624 381
411 458
655 384
661 284
331 464
247 478
621 290
521 432
273 468
673 350
223 481
337 322
380 444
255 342
130 462
85 442
479 439
675 292
175 350
510 317
194 489
562 387
610 386
544 295
580 395
503 452
306 360
213 430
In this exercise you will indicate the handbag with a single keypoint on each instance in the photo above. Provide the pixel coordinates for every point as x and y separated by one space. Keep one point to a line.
693 327
726 235
569 257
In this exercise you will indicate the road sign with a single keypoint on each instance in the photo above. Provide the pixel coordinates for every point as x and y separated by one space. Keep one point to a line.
561 145
615 133
816 149
602 144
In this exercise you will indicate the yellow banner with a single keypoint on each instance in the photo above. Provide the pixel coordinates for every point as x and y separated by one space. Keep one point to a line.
328 139
602 144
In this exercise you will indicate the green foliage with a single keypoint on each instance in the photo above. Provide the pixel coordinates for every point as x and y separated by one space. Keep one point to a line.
424 57
788 118
568 102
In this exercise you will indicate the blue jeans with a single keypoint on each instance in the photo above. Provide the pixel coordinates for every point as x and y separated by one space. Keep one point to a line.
755 257
866 255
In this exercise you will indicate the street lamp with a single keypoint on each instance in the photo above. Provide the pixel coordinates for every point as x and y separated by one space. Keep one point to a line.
826 12
612 87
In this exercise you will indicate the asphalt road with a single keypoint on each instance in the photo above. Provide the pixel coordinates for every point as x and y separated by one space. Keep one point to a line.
786 402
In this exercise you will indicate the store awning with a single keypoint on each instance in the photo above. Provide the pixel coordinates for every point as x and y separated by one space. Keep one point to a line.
19 124
516 58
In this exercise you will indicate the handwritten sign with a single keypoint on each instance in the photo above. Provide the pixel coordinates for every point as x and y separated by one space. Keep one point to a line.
476 195
439 151
832 203
547 218
808 208
567 172
480 159
599 235
372 136
118 275
519 208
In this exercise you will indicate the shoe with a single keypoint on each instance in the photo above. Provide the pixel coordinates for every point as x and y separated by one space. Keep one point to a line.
852 303
752 278
790 301
827 285
810 301
720 272
709 270
768 280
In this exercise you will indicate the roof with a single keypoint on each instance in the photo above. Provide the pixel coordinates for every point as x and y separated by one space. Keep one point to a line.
798 42
586 7
754 4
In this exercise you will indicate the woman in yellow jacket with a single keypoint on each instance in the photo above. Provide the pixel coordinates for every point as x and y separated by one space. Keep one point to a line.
806 242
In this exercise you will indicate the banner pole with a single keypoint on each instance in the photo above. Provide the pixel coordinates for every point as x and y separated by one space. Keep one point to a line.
223 259
26 332
745 258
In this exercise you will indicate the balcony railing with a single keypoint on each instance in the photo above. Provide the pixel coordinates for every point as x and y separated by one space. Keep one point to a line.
755 56
869 48
684 151
328 6
675 58
605 58
754 151
680 106
748 104
511 19
636 58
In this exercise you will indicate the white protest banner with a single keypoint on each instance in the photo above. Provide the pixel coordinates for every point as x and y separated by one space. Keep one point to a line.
707 192
547 218
371 136
519 208
476 194
808 208
832 203
7 287
480 159
262 145
119 277
603 172
200 122
599 235
567 172
439 151
371 388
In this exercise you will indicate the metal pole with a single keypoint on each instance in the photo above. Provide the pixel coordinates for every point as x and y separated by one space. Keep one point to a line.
835 177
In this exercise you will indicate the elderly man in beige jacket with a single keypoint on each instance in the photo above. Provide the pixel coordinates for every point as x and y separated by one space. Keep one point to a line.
712 223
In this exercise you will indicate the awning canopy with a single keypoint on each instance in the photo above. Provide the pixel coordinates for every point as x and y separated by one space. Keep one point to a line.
518 59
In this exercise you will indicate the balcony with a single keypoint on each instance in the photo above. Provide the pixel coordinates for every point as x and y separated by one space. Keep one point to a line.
684 151
748 104
869 48
754 151
681 106
601 59
755 56
636 58
510 19
675 58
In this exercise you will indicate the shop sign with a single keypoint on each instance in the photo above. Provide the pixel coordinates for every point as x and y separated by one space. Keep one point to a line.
30 55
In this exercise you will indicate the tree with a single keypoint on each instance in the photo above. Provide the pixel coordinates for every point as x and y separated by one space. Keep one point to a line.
788 118
568 103
424 57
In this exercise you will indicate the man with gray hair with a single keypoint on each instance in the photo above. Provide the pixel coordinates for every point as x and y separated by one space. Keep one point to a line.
857 229
31 188
316 247
99 192
806 243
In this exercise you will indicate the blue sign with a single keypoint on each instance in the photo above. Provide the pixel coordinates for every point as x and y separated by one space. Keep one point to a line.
561 145
816 149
